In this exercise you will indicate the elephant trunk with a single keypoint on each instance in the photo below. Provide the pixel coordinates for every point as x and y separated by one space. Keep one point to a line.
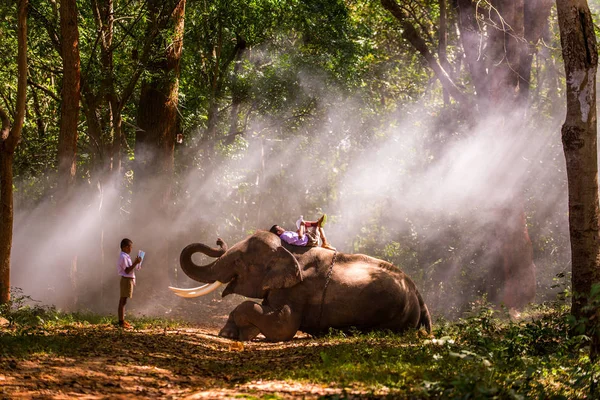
215 273
201 273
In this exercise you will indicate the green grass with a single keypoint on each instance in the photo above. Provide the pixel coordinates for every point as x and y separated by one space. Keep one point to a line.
26 316
484 355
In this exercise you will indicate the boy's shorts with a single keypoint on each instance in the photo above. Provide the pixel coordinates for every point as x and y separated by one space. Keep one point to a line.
126 287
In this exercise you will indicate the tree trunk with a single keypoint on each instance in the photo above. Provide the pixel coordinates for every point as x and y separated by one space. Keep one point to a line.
6 217
472 43
443 34
579 137
8 142
39 120
411 35
536 15
215 88
69 115
154 147
493 57
505 47
236 99
69 118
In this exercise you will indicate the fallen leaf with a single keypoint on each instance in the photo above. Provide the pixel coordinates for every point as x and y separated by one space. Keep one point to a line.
236 346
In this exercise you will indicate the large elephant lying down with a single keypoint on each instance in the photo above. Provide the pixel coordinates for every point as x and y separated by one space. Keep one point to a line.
304 288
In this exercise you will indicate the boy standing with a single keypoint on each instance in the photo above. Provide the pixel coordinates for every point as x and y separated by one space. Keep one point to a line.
125 269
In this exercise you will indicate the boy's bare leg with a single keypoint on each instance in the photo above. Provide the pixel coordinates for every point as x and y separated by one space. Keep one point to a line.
122 302
302 230
325 244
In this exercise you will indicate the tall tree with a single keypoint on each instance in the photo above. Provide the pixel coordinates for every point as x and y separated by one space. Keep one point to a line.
580 143
221 34
69 119
69 113
9 140
499 39
104 102
157 120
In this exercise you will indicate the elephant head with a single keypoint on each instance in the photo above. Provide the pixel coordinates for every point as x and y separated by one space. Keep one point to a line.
250 268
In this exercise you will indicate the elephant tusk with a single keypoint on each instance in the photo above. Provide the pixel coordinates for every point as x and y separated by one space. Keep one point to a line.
196 292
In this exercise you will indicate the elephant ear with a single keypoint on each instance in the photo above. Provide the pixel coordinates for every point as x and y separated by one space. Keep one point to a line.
283 270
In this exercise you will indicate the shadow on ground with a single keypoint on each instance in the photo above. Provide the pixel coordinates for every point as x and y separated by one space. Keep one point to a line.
103 361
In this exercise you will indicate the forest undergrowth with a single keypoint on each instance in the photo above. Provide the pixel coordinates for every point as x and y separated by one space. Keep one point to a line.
485 354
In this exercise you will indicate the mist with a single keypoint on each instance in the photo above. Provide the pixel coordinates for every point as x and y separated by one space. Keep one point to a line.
411 187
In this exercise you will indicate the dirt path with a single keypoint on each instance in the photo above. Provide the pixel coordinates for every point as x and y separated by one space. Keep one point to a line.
102 361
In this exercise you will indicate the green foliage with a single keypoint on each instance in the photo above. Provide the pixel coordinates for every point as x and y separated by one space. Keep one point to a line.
327 79
589 321
483 355
24 314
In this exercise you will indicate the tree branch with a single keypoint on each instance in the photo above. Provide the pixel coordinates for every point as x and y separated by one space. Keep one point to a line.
410 34
44 89
54 38
15 132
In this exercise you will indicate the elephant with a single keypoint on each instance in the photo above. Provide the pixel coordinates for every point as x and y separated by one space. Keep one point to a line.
308 289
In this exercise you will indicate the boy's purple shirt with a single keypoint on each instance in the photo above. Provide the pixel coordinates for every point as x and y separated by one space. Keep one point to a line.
293 238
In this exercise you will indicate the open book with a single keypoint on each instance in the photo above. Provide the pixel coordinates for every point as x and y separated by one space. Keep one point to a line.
141 255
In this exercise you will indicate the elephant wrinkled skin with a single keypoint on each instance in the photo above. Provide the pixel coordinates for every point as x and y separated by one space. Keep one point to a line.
301 291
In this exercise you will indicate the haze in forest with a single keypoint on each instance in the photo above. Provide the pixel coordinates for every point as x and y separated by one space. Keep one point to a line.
401 178
419 172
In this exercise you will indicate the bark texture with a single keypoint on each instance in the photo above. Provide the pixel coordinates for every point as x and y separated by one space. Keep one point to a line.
69 114
579 137
8 143
155 140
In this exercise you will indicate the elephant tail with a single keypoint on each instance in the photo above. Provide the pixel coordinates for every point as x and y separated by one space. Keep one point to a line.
425 319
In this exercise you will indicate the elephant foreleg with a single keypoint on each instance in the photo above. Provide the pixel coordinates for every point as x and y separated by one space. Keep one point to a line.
249 319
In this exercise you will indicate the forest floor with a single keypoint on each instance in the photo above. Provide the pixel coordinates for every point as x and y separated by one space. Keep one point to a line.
156 358
103 361
47 354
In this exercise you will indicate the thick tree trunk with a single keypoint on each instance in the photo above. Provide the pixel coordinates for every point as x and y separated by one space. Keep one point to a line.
69 115
579 136
515 256
472 43
505 48
9 139
6 218
494 56
69 118
154 148
507 51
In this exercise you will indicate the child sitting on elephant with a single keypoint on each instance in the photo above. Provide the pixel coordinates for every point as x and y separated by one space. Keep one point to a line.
304 237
